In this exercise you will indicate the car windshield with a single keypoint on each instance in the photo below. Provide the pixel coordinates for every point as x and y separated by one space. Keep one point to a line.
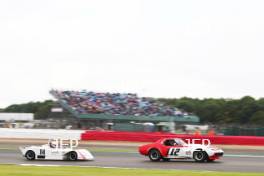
180 142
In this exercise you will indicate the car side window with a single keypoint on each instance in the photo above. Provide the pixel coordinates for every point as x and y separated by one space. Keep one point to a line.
169 142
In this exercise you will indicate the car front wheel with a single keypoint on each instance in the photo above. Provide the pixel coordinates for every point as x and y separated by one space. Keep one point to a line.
154 155
72 156
30 155
199 156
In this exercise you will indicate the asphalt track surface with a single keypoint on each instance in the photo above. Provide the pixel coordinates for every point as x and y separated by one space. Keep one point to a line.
232 162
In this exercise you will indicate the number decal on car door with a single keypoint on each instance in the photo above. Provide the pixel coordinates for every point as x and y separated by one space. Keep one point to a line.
173 151
42 152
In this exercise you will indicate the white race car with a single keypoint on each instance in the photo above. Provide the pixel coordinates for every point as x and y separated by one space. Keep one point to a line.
57 149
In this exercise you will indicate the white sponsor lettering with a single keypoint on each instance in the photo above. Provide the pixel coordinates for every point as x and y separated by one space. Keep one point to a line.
205 142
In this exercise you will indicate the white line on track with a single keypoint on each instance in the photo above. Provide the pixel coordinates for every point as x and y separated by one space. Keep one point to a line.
110 167
244 156
105 167
44 165
56 165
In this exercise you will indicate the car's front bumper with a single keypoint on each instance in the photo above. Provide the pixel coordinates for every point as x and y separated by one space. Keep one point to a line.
216 155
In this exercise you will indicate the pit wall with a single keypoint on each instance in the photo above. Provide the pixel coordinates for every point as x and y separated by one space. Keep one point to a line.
151 137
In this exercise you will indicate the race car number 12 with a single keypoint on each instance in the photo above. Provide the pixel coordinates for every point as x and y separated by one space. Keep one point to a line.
173 151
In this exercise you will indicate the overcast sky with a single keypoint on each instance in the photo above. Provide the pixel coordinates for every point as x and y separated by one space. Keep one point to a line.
154 48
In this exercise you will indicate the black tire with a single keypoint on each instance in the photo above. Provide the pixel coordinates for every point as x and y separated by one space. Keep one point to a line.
154 155
72 156
210 161
166 159
207 158
30 155
200 156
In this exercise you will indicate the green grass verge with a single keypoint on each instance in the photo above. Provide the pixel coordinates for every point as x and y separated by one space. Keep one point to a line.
16 170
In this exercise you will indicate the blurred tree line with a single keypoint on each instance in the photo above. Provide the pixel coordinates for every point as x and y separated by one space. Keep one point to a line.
41 110
246 110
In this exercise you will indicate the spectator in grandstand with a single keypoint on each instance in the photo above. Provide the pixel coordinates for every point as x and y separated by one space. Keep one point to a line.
85 102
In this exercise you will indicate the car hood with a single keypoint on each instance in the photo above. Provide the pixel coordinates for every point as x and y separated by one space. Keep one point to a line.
205 147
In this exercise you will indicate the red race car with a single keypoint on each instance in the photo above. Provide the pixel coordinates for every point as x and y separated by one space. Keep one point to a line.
170 148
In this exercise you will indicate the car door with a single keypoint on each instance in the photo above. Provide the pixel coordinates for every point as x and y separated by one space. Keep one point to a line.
179 152
174 150
53 154
41 153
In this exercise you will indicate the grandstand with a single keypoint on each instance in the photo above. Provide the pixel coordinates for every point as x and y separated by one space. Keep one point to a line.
119 110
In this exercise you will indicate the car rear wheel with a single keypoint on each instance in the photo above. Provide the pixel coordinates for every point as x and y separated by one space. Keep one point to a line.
154 155
199 156
30 155
72 156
